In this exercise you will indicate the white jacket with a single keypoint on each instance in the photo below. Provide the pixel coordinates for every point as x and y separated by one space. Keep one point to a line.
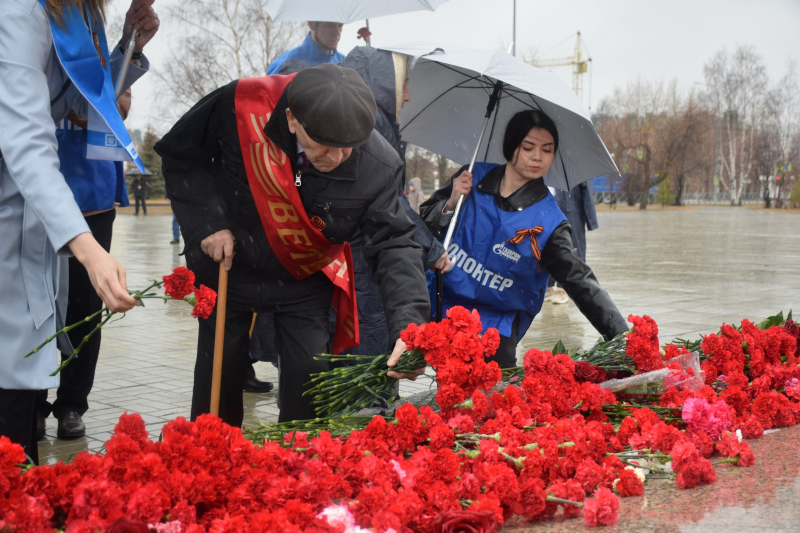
38 214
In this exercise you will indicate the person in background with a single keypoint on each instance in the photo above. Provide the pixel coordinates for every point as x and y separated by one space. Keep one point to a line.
97 187
578 207
47 51
510 236
140 191
318 47
414 194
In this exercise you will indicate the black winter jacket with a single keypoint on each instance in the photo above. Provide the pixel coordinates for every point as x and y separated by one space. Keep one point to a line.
207 183
376 68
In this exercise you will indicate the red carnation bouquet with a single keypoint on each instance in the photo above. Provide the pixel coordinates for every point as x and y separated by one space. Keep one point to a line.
177 286
454 347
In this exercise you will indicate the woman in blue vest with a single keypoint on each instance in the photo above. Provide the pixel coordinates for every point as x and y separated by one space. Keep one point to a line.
53 59
510 236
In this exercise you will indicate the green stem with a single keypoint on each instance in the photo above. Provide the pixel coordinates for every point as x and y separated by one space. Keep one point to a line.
552 498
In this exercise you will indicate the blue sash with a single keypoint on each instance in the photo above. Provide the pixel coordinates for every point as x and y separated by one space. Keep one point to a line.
107 137
498 278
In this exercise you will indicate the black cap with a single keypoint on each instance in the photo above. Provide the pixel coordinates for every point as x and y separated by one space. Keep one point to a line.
333 104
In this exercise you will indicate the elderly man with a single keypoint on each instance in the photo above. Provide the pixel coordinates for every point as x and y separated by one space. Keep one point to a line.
318 47
273 176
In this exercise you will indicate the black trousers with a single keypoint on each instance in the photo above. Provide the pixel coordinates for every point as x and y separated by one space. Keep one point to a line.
77 377
506 354
300 311
144 205
18 419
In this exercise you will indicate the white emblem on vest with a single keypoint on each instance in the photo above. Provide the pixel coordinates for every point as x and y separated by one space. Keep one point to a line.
502 251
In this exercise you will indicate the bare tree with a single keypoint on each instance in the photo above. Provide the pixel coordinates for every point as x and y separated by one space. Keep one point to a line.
737 86
218 41
638 108
683 136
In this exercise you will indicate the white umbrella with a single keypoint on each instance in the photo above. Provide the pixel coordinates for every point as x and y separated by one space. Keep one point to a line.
344 11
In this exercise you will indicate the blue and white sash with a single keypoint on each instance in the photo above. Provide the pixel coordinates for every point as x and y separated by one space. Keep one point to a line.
107 137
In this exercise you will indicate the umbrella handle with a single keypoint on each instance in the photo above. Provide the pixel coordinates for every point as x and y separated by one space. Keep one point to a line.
439 295
123 71
219 338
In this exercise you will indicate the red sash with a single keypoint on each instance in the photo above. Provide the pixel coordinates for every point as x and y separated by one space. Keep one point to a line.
300 247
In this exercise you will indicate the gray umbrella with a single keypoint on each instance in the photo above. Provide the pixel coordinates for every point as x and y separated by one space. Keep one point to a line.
454 90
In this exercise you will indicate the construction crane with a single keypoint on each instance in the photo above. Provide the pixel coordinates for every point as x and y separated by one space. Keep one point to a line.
579 67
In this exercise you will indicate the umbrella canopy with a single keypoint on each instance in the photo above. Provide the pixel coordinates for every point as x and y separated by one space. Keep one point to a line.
344 11
451 87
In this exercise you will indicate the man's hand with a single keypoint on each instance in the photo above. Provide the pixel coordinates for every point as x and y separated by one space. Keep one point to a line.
443 263
399 348
105 273
142 16
219 246
462 185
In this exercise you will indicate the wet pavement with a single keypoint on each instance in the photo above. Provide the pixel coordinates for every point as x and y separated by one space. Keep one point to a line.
690 270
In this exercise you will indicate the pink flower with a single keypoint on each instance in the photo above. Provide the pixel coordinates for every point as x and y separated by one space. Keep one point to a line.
711 419
338 516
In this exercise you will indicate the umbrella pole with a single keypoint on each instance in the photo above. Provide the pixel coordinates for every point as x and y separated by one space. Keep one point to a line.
219 339
123 71
449 236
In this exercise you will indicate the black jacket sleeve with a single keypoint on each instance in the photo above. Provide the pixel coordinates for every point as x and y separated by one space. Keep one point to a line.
394 257
188 152
431 209
581 284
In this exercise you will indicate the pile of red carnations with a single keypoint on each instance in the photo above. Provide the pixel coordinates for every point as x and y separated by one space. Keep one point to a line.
544 445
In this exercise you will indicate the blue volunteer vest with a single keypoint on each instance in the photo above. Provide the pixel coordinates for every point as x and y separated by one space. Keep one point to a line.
498 278
107 137
96 185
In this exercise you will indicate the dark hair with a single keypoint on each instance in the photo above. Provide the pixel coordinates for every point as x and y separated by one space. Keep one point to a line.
520 125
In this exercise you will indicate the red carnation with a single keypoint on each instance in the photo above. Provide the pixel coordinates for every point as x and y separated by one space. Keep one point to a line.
179 284
465 522
602 509
746 457
206 299
698 472
629 484
752 428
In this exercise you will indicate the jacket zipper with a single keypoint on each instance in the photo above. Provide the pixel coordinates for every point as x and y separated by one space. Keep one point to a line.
297 178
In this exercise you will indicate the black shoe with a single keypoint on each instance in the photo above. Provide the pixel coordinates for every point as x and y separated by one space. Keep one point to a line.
70 426
253 384
175 241
40 426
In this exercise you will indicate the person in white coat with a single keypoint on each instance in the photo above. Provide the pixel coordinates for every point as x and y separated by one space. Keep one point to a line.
40 222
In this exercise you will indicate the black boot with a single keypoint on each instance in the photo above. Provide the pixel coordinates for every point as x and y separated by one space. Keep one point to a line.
253 384
40 426
70 426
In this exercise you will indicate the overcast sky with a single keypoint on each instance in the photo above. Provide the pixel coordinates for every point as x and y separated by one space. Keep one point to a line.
658 40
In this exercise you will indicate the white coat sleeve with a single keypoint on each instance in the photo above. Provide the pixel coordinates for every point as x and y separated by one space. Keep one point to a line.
27 132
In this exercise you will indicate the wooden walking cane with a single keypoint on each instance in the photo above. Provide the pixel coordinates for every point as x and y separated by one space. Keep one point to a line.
219 337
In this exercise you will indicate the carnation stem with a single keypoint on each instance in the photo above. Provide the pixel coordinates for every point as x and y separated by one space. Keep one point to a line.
552 498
